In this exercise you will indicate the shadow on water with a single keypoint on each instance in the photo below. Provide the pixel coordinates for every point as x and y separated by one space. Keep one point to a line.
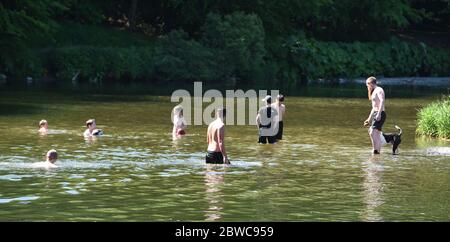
18 109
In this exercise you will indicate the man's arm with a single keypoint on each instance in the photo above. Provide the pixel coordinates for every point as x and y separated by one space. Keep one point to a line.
367 121
221 140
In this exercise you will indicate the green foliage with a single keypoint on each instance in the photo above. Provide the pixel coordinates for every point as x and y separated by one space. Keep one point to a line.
74 34
227 41
364 20
92 63
83 11
178 58
19 21
314 59
238 39
173 59
434 119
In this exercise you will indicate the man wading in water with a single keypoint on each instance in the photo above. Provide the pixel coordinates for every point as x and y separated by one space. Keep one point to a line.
216 140
377 115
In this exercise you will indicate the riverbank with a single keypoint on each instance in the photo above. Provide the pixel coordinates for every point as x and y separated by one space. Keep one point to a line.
393 81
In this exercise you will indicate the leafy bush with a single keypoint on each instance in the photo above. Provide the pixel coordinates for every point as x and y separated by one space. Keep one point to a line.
92 62
238 40
330 60
177 58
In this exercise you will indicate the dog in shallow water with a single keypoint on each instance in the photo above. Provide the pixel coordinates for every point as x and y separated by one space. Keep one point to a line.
392 138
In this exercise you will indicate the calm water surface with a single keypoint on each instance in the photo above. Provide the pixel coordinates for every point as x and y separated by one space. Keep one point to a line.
321 171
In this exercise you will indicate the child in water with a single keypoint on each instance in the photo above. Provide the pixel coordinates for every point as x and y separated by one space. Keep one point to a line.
179 123
43 127
92 129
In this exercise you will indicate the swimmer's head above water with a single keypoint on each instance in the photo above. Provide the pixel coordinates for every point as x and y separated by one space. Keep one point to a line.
43 123
43 126
92 129
52 156
90 124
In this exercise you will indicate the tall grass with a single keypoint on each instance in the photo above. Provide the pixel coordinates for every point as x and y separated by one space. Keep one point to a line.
434 119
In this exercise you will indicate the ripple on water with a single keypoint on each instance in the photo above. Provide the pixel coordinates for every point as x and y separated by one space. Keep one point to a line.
438 151
76 176
72 192
13 177
20 199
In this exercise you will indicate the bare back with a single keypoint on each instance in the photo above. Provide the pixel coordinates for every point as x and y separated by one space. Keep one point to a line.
215 135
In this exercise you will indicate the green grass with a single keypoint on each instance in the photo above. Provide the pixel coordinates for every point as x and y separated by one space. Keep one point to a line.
434 119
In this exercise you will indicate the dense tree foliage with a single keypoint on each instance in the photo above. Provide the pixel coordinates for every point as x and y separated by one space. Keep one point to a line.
230 41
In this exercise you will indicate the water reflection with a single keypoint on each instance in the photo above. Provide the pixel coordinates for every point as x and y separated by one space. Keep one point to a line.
91 140
373 188
213 181
176 142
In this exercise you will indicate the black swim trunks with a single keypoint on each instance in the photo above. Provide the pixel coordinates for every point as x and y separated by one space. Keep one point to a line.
279 135
214 157
267 139
378 124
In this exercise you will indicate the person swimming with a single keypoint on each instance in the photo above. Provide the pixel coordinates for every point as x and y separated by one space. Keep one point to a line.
49 162
179 123
43 127
92 129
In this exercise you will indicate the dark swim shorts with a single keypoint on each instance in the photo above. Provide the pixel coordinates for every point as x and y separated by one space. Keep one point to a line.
213 157
378 124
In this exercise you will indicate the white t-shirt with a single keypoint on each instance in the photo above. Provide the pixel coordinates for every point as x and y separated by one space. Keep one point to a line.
264 118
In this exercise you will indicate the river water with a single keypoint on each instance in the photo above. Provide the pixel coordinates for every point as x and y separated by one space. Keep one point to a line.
323 170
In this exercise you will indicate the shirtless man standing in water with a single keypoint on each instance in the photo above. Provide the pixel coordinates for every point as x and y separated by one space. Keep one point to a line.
215 138
377 115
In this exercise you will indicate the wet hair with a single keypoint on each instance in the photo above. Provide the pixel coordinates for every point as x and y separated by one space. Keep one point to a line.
280 98
90 122
42 122
52 155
